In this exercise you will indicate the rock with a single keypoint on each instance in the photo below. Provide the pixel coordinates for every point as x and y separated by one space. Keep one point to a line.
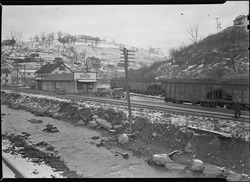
154 134
188 148
161 159
197 165
49 147
49 127
234 177
211 171
175 166
35 121
118 127
92 124
54 130
56 115
104 123
123 138
94 117
95 137
80 123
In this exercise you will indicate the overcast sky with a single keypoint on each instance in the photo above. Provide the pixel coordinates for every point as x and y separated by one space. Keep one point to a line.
162 26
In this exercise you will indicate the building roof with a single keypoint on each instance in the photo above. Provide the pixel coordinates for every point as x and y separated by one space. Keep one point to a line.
60 77
5 71
48 68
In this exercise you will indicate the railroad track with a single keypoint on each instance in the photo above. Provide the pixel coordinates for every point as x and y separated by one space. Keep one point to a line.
17 172
194 110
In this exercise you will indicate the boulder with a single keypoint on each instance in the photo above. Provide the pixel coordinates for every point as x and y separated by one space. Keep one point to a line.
162 159
54 130
234 177
211 171
80 123
104 123
118 127
174 166
92 124
154 134
94 117
197 165
56 115
49 147
188 148
123 138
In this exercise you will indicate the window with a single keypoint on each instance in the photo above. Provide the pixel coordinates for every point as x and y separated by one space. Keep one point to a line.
61 68
28 73
6 74
90 86
55 72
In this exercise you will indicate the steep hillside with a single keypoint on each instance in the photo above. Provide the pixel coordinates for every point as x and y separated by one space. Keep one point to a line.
74 54
219 56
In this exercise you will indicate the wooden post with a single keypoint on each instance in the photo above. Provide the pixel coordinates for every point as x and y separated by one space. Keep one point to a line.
125 52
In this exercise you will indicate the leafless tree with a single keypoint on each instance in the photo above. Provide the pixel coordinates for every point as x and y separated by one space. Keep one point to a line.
194 33
36 38
17 36
43 37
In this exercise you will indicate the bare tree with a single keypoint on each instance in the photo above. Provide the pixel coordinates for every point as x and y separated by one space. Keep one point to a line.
36 38
43 37
194 33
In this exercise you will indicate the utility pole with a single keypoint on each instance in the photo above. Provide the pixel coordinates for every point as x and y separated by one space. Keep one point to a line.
217 24
126 54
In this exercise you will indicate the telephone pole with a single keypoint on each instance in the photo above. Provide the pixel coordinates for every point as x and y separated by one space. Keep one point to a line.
217 24
126 54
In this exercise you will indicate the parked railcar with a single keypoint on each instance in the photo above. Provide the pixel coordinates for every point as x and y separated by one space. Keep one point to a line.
142 87
207 93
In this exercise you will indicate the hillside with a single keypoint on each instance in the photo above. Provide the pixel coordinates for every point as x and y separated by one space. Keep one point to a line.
73 54
219 56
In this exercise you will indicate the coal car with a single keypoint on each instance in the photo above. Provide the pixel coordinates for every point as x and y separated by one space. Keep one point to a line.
207 92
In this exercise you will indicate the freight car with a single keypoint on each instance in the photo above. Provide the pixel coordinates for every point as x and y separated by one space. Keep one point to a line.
206 92
148 87
209 93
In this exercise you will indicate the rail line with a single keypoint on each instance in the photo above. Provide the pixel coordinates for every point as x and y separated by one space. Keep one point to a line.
209 112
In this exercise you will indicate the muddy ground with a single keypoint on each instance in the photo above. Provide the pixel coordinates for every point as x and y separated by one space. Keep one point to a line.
148 138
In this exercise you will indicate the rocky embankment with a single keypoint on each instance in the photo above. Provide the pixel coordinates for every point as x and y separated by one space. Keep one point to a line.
151 132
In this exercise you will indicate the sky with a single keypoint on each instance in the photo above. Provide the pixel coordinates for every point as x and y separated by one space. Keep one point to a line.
164 26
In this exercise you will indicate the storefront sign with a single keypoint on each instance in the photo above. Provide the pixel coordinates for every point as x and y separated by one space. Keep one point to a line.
85 76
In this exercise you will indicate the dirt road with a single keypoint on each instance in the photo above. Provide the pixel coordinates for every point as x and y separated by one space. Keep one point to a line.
77 149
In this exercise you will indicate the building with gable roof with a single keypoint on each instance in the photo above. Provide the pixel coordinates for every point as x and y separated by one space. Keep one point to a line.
54 76
48 69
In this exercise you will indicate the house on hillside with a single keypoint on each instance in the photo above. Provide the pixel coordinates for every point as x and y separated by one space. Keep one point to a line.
23 77
93 62
9 42
46 70
5 77
241 20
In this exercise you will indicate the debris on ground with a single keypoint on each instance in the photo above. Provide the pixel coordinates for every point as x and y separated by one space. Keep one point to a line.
124 155
123 138
35 121
161 159
211 171
80 123
95 137
174 166
197 165
234 177
92 124
50 128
